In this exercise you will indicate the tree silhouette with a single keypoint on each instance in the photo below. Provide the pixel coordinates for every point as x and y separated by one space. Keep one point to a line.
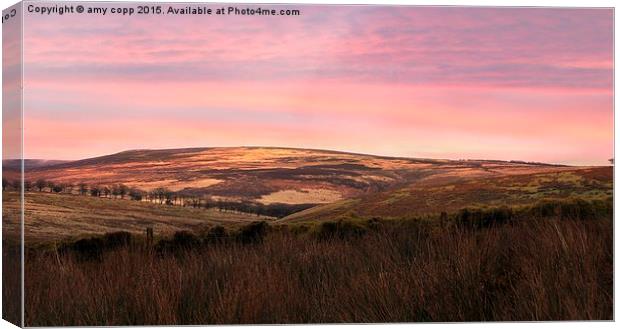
106 191
116 190
135 194
50 185
95 191
57 188
123 190
40 184
83 188
160 193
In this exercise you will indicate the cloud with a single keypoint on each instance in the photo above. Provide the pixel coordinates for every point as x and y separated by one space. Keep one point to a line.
449 81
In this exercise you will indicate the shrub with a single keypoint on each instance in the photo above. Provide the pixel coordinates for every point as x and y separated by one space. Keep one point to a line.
89 249
216 234
340 230
572 209
185 239
181 240
254 232
482 218
116 239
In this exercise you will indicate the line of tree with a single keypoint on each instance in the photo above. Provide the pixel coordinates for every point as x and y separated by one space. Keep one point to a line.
160 195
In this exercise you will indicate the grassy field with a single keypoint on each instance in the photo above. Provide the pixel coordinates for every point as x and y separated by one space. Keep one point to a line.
51 216
394 271
427 197
54 216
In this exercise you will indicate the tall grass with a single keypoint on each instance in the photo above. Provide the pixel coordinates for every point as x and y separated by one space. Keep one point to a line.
388 272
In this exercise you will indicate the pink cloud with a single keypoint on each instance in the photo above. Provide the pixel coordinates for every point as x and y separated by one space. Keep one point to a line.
533 84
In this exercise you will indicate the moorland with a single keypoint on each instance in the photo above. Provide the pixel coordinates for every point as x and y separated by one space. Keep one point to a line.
280 235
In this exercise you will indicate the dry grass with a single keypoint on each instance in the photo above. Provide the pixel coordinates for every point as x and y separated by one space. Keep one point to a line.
53 216
301 196
426 196
396 272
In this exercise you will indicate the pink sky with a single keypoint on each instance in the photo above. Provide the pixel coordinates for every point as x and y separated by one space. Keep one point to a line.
510 84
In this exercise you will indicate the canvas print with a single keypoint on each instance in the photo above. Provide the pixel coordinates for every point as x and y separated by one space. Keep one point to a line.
198 164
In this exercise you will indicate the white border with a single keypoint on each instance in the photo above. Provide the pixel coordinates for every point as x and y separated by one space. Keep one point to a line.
492 3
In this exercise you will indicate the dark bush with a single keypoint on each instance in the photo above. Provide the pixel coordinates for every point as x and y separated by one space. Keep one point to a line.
185 239
340 230
216 234
89 249
217 231
298 229
572 209
117 239
482 218
253 233
181 240
374 223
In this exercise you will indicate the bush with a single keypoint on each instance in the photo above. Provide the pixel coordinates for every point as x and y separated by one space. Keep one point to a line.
181 240
185 239
216 234
116 239
253 233
572 209
89 249
340 230
482 218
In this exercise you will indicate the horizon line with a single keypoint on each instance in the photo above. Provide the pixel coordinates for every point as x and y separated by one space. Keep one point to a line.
309 149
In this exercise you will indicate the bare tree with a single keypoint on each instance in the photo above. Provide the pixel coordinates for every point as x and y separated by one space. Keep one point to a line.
40 184
57 188
50 185
106 191
160 193
16 184
123 190
83 188
95 191
136 194
116 191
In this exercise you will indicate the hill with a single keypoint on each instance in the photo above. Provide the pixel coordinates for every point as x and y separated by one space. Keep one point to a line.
273 175
427 197
15 164
304 185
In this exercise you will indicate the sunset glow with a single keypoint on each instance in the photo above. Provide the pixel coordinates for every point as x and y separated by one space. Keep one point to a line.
457 83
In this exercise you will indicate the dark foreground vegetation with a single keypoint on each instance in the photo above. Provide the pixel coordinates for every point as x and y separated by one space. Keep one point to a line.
553 261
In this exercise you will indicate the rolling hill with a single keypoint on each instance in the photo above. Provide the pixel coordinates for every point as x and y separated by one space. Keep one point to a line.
270 175
339 184
434 196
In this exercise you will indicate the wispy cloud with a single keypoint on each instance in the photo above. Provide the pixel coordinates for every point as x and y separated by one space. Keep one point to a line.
536 79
